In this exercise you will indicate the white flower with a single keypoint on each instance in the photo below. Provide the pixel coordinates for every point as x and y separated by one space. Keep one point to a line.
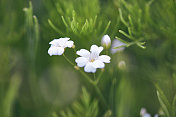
117 43
58 45
91 60
143 111
106 41
146 115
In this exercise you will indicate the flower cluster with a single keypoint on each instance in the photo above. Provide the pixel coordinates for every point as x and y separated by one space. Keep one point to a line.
89 60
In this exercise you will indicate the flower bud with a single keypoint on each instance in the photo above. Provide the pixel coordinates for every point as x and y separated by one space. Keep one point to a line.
122 66
106 41
73 46
76 67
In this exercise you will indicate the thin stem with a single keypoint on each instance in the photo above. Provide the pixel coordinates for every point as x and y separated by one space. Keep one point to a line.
96 87
94 76
68 60
106 51
99 76
100 95
75 52
87 77
90 81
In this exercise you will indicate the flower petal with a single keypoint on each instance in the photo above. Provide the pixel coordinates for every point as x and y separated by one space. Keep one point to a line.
89 68
55 42
146 115
104 58
64 39
81 61
53 50
69 44
98 64
96 48
60 42
83 53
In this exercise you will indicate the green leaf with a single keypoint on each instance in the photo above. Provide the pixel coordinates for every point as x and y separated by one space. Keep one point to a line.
122 19
85 107
163 101
174 105
54 27
10 95
107 26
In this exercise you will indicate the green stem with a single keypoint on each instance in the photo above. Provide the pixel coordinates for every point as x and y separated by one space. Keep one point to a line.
106 51
87 77
75 52
98 79
94 76
68 60
90 81
95 86
100 95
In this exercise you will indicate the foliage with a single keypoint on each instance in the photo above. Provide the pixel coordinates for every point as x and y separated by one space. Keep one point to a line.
34 84
85 107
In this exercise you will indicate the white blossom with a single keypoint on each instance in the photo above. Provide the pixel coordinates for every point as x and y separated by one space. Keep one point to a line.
143 111
117 43
146 115
91 60
106 41
58 45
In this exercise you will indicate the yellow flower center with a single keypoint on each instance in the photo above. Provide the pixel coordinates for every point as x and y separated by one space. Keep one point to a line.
92 60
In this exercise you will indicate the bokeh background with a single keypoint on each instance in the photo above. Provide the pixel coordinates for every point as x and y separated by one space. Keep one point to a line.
33 84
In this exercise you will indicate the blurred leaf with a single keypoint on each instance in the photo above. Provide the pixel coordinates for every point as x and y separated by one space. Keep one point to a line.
163 101
10 95
83 108
32 27
108 113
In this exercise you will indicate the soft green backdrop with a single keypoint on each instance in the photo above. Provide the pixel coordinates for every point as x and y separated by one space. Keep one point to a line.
33 84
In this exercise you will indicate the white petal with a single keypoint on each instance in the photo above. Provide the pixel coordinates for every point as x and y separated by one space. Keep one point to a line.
53 50
69 44
89 68
143 111
104 58
96 48
63 42
81 61
94 55
55 42
98 64
83 53
60 42
64 39
146 115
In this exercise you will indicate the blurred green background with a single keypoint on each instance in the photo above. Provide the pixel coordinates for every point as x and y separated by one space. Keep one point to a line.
33 84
